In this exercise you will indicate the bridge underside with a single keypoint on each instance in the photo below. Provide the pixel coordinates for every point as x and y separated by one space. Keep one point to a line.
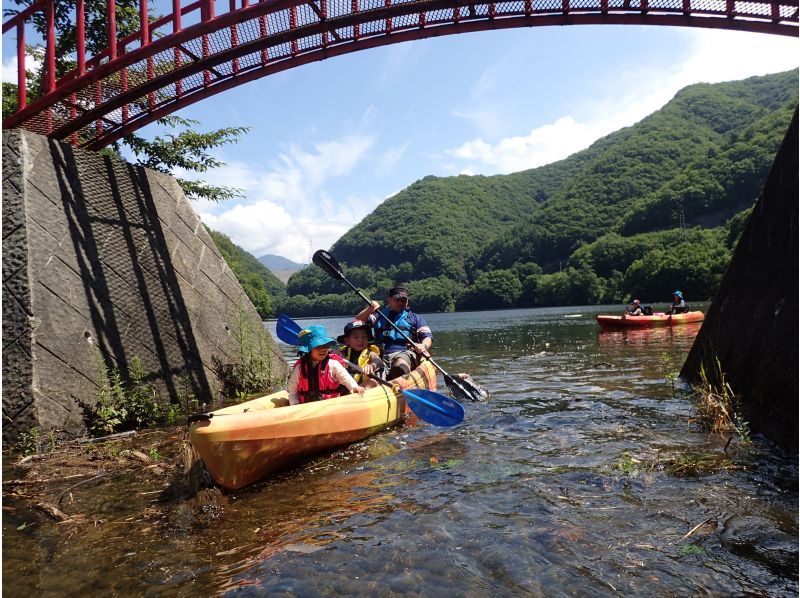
166 66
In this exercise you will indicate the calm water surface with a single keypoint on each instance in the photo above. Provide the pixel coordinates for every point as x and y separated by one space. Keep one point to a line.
567 482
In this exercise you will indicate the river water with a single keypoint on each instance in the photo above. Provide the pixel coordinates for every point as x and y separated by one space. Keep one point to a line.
584 474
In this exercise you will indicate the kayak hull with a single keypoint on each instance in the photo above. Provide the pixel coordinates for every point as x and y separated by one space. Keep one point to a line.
657 319
243 443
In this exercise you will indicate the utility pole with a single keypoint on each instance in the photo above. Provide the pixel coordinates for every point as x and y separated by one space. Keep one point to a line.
682 222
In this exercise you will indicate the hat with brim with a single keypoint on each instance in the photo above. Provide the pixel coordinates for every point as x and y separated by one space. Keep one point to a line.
313 337
355 325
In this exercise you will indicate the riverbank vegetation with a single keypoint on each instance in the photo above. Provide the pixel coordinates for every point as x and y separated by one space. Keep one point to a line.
718 408
262 287
653 207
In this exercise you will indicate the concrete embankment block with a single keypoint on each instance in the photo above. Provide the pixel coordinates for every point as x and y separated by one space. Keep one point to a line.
752 324
104 262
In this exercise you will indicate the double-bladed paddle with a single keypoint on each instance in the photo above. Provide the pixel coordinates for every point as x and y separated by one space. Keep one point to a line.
432 407
461 388
288 330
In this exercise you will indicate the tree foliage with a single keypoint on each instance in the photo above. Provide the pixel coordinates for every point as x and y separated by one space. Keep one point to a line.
262 287
645 210
186 149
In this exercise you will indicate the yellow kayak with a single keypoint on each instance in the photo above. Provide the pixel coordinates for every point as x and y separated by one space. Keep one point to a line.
243 443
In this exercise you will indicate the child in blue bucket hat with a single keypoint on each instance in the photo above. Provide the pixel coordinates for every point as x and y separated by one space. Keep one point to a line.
318 374
678 304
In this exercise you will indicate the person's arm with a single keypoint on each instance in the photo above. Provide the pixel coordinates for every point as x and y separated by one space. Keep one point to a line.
374 363
294 380
423 346
344 378
365 313
375 360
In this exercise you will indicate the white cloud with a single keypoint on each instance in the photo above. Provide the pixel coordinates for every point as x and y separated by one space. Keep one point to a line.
286 206
486 82
513 154
730 55
709 56
398 59
388 159
10 67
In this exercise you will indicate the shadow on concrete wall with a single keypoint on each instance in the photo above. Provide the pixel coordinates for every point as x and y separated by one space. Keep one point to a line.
124 240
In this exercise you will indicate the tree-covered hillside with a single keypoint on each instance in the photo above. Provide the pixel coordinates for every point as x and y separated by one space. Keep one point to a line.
453 226
262 286
647 209
644 210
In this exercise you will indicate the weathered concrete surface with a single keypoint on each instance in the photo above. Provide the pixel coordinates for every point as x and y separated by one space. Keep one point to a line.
752 323
100 254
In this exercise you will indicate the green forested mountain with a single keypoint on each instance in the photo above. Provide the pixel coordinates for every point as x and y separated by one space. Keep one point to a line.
262 286
647 209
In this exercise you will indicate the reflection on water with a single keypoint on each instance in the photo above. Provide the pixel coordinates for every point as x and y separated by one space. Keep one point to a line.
573 479
656 336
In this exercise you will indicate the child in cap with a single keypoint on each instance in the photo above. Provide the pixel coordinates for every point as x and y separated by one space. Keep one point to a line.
635 309
356 348
318 374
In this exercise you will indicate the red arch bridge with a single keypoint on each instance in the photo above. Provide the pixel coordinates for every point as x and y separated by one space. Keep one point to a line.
205 47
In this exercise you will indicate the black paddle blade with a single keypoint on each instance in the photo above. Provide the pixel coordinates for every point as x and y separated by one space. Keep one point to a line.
328 264
465 389
198 417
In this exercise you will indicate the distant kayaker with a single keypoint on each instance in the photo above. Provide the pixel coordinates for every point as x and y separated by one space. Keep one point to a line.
356 348
318 374
400 357
635 309
678 304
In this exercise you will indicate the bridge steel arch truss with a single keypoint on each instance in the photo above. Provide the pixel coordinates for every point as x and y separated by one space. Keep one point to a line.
195 52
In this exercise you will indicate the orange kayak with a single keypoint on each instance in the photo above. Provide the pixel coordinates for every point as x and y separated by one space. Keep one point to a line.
243 443
657 319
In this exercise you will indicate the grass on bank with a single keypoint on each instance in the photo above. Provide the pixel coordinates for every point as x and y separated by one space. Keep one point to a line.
718 407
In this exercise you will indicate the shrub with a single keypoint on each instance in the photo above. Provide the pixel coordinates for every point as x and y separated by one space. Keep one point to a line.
129 404
252 370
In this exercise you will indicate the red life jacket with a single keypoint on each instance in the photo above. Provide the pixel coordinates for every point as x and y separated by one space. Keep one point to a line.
317 383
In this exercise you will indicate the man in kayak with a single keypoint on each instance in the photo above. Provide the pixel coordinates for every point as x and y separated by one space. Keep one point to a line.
678 304
318 375
400 356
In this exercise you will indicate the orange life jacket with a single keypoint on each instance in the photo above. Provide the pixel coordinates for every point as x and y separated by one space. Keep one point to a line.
317 383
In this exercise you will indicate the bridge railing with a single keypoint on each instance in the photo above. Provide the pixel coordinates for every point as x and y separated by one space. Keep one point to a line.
169 61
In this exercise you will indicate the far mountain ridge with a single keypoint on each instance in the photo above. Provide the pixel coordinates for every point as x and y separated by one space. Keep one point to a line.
278 262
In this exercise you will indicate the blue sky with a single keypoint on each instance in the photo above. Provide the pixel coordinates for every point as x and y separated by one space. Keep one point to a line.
331 140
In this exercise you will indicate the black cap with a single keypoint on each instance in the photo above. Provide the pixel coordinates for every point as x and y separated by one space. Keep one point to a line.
398 291
355 325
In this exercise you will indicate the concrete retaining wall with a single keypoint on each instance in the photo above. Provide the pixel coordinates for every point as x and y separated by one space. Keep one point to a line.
752 323
103 262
